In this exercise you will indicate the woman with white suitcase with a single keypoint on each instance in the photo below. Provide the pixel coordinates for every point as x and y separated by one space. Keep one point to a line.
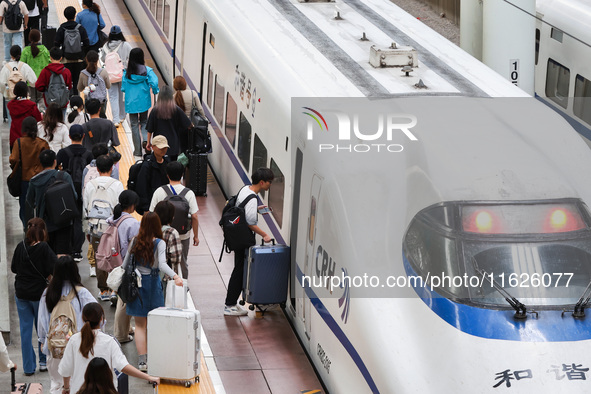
148 253
92 342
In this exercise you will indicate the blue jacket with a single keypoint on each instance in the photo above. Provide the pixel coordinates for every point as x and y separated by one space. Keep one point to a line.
137 91
88 20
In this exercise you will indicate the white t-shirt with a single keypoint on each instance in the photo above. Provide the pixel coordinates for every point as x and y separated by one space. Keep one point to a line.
250 210
74 365
160 195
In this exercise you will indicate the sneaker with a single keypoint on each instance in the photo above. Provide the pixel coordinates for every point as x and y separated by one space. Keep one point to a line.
92 272
42 368
142 367
104 295
29 373
77 256
113 298
235 310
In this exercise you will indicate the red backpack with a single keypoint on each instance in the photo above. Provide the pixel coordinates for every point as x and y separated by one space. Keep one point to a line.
108 253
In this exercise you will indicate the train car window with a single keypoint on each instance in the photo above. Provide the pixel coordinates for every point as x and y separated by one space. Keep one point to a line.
209 87
231 117
556 34
557 83
276 193
153 7
166 19
537 45
244 139
259 157
158 13
218 102
582 100
312 221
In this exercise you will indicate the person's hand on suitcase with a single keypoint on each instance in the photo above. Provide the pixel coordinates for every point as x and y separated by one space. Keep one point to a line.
154 381
266 238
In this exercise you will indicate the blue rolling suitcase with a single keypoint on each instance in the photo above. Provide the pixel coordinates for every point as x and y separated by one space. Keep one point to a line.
266 274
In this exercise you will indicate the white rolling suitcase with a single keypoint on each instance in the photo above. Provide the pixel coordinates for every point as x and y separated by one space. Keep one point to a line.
174 344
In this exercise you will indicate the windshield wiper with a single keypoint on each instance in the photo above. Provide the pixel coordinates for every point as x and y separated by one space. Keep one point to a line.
520 309
579 310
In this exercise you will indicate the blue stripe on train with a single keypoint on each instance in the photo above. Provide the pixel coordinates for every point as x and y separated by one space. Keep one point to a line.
550 326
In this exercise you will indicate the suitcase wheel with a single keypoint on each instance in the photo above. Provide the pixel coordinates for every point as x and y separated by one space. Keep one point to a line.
241 302
196 379
188 384
251 307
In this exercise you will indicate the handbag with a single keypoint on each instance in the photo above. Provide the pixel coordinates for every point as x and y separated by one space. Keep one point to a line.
115 278
113 154
129 289
199 136
14 180
102 36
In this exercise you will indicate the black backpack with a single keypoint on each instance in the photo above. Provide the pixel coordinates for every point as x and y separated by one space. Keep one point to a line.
76 165
237 234
134 172
13 18
181 220
30 4
60 204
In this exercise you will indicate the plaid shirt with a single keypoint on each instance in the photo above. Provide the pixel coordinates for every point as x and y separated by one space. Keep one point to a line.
174 248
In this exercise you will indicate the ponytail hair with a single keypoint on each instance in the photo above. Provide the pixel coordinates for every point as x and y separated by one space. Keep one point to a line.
127 199
34 38
179 84
75 103
92 314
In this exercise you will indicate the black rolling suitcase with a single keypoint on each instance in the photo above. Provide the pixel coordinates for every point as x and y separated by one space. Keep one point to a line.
198 173
48 36
266 274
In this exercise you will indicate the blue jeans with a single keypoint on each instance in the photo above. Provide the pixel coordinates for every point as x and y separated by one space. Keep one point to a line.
11 39
136 121
117 102
27 316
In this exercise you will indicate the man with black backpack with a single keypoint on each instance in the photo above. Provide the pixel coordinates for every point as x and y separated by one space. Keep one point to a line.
246 201
72 38
55 81
52 197
73 159
15 15
151 174
185 209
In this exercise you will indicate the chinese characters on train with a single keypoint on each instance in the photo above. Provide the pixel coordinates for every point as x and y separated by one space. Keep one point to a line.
569 371
248 93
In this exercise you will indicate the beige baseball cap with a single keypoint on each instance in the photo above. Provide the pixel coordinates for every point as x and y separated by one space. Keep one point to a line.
160 142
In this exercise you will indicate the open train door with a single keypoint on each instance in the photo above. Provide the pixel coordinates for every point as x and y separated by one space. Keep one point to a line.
310 248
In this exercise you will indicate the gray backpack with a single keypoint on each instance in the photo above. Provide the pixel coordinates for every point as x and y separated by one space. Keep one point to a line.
73 44
57 91
100 91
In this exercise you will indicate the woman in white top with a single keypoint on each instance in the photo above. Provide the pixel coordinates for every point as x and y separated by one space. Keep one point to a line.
66 279
53 130
148 253
5 363
77 115
116 43
15 62
186 98
92 342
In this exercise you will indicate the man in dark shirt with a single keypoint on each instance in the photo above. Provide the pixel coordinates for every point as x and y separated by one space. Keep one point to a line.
98 129
152 175
79 157
73 61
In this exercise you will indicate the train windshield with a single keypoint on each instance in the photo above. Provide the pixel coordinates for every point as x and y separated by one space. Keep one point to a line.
538 252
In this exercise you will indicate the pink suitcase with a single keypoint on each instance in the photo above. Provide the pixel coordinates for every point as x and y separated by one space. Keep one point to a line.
23 388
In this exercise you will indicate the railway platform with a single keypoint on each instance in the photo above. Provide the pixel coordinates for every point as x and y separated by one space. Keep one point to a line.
240 354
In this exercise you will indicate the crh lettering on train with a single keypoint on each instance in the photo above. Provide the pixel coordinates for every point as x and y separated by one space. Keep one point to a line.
380 133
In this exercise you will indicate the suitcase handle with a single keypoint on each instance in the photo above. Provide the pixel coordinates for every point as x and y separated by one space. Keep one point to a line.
12 379
263 241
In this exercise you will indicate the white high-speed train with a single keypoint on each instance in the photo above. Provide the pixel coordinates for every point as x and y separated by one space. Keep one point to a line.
465 178
563 59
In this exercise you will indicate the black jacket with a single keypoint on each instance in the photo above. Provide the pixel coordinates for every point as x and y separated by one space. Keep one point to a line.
59 36
30 275
151 176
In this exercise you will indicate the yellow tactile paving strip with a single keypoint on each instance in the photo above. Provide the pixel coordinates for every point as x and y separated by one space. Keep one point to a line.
205 386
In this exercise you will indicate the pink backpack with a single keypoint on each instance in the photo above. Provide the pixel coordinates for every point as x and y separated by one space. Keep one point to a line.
114 65
108 253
